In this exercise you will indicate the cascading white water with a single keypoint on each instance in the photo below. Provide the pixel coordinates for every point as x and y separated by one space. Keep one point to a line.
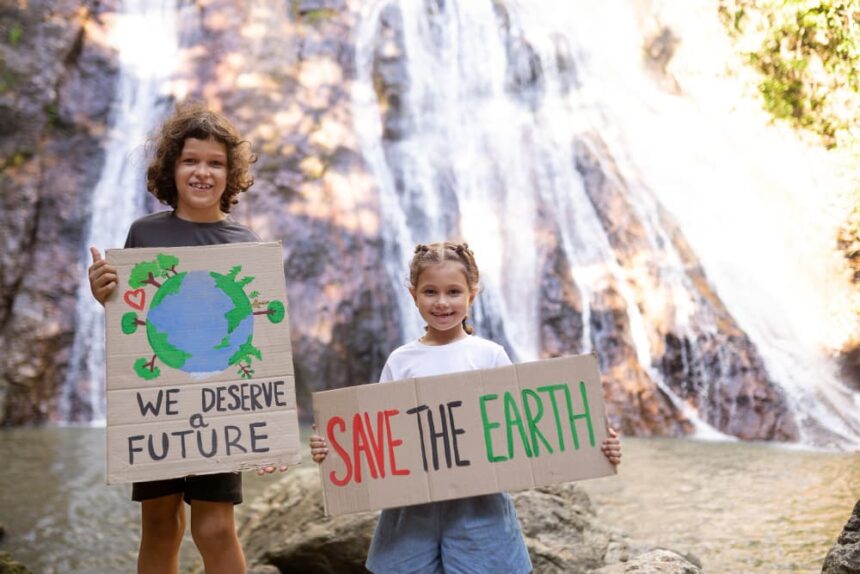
756 205
145 33
487 151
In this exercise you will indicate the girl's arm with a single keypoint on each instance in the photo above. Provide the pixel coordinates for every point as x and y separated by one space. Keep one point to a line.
319 447
611 447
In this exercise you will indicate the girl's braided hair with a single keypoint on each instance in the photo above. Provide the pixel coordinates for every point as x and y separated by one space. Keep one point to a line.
434 253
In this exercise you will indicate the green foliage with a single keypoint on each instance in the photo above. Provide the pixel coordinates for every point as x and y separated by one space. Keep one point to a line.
143 370
9 79
315 16
129 323
167 263
142 273
276 311
15 33
809 58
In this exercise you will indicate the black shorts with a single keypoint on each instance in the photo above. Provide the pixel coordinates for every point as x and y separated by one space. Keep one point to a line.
222 487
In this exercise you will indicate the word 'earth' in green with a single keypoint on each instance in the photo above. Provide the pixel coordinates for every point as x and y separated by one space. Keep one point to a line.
534 412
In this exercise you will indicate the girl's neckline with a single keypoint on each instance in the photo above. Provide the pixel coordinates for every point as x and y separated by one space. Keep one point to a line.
454 342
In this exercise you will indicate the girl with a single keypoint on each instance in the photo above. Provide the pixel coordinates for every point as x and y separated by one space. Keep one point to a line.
478 534
199 167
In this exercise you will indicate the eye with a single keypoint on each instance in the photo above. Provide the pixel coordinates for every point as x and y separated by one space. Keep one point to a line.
429 291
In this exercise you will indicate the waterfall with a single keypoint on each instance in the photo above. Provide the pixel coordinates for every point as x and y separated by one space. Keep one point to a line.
470 113
146 35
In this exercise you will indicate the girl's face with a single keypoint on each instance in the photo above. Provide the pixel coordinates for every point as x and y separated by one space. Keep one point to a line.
443 298
201 178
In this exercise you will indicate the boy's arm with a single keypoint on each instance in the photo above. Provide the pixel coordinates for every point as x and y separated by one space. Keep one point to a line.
103 277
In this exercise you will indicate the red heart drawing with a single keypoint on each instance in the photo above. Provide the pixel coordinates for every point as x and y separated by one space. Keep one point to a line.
135 299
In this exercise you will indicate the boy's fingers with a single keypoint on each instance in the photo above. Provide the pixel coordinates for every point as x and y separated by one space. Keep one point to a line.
95 254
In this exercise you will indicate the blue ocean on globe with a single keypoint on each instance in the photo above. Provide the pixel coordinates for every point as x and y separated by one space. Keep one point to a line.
194 320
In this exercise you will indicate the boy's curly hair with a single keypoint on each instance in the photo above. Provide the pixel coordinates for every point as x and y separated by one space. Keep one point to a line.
195 121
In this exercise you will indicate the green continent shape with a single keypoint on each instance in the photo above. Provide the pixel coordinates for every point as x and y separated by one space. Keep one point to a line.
225 342
169 287
235 291
246 350
161 346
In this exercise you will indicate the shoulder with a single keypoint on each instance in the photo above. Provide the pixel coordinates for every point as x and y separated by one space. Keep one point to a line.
153 219
481 343
143 227
239 233
405 350
494 353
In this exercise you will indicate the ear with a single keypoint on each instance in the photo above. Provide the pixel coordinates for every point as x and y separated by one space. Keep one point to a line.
473 294
414 294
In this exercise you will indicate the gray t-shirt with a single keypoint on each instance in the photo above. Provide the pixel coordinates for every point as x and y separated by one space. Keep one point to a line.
165 229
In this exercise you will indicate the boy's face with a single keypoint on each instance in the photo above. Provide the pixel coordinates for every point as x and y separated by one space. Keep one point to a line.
201 178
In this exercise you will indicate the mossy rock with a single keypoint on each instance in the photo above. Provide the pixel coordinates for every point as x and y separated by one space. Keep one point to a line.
10 566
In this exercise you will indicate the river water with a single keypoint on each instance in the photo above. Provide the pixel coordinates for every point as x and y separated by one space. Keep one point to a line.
737 507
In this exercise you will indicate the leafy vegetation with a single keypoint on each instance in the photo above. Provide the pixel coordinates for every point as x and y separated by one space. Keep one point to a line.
809 59
808 54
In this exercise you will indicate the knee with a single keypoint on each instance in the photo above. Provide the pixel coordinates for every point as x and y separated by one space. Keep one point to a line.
164 529
213 532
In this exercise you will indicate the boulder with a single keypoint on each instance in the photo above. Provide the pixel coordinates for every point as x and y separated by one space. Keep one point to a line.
10 566
659 561
286 529
844 557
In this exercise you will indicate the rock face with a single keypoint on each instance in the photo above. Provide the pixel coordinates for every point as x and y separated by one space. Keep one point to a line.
284 71
56 85
286 529
844 557
705 358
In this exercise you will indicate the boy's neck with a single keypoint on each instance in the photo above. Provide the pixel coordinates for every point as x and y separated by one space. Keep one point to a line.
199 217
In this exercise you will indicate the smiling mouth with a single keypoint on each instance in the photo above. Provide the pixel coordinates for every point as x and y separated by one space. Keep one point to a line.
443 315
200 186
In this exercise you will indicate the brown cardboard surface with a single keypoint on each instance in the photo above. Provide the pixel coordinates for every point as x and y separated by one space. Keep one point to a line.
462 434
198 361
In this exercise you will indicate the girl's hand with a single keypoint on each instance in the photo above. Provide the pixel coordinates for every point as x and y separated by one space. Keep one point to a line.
103 277
319 447
611 447
270 469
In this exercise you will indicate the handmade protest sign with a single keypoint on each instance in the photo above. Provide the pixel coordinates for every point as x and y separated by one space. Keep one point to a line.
199 364
464 434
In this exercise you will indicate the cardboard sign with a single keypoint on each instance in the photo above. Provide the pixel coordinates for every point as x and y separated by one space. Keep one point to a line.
463 434
199 364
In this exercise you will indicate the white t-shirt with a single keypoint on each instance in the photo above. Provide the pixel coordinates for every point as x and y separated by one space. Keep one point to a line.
416 359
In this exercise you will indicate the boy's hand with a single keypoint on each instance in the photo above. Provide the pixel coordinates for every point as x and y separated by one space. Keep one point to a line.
103 277
319 447
611 447
270 469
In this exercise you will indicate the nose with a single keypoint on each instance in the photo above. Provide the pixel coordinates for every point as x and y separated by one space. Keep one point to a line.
201 169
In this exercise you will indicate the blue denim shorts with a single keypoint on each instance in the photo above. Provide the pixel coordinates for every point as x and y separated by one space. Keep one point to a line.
474 535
